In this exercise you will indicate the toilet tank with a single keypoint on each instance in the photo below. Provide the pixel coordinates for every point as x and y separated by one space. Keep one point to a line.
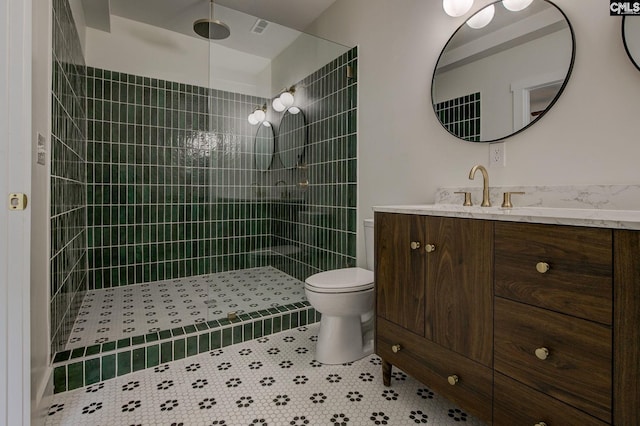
368 242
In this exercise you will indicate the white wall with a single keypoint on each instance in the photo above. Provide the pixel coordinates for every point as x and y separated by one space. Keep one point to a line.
304 56
81 24
589 137
41 116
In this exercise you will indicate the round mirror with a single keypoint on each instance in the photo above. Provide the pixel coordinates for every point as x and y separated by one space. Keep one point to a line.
292 137
502 70
263 146
631 38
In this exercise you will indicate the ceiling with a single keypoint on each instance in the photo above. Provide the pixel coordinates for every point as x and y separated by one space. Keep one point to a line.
297 14
285 17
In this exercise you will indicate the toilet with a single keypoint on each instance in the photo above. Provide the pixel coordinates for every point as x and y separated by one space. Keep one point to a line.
345 298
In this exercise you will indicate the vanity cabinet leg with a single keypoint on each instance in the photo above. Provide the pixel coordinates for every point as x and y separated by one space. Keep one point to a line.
386 372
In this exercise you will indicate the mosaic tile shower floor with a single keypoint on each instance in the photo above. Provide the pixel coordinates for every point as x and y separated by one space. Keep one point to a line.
271 381
116 313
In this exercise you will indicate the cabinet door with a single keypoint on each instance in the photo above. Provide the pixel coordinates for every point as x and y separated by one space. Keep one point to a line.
459 291
400 270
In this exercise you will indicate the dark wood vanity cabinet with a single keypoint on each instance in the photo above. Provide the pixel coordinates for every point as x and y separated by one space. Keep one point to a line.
518 323
434 297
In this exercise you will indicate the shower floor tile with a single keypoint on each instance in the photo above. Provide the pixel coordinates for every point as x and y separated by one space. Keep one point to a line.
273 380
115 313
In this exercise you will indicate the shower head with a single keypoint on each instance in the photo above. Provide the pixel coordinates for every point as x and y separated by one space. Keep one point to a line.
211 28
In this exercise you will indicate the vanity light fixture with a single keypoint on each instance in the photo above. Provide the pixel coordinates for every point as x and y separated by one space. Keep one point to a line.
456 8
516 5
285 100
258 115
482 18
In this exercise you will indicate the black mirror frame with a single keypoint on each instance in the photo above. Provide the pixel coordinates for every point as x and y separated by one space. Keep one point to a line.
564 83
626 46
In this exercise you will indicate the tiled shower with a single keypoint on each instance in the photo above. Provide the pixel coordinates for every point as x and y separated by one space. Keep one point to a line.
154 180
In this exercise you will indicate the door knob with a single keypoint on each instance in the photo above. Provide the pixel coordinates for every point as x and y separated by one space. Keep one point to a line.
415 245
396 348
540 424
453 380
430 248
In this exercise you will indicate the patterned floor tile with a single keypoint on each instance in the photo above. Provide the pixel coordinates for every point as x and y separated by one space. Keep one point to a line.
273 381
116 313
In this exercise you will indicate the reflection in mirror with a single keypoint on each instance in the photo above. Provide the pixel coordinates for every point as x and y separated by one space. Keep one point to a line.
263 146
631 38
492 82
292 137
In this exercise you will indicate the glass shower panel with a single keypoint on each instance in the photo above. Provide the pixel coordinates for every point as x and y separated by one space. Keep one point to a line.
273 226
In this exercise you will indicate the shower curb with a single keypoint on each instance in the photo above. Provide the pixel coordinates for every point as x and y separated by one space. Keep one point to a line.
73 369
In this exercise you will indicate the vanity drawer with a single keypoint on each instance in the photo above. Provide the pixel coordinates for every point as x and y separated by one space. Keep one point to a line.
517 404
577 369
434 366
579 278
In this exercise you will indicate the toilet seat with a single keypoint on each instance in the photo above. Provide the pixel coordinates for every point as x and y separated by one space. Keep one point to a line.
346 280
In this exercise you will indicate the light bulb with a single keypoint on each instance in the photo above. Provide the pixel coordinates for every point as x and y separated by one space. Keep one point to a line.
482 18
252 119
277 105
287 99
266 124
516 5
259 115
294 110
456 8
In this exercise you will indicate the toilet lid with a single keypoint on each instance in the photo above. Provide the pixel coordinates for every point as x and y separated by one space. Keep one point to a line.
340 281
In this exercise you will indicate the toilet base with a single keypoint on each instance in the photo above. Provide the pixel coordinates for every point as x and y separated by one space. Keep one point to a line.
344 339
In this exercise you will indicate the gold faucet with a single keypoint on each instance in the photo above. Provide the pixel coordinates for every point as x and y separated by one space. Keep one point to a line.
486 202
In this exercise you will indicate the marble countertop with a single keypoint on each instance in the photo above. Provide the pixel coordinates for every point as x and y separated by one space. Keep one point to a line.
599 218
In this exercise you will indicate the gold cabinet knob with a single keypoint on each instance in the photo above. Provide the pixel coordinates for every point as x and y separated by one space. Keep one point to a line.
396 348
542 267
415 245
453 379
542 353
430 248
540 424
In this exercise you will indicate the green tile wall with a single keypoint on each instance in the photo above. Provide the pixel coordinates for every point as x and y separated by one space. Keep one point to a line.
68 250
171 179
170 169
327 240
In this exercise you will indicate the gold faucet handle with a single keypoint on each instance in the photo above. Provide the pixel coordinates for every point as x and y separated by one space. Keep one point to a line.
467 197
506 199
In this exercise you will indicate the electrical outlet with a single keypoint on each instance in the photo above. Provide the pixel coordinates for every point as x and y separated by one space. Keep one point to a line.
497 157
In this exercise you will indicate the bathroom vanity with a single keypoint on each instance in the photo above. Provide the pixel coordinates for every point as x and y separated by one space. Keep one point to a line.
524 316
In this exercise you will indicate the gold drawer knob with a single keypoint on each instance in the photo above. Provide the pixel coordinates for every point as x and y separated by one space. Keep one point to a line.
542 267
415 245
453 379
396 348
430 248
540 424
542 353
